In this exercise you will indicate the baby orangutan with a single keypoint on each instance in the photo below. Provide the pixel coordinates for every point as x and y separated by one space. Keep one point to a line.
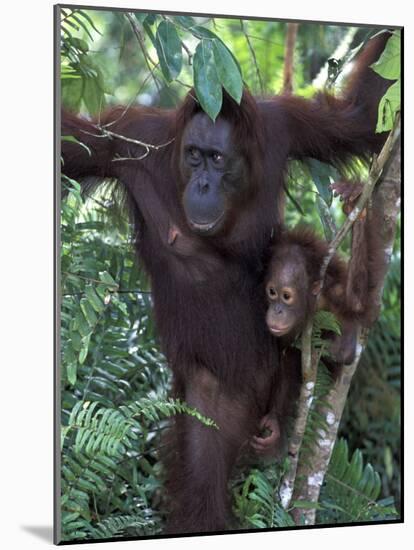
292 289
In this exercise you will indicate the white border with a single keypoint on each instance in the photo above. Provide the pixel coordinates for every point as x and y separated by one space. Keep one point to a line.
27 273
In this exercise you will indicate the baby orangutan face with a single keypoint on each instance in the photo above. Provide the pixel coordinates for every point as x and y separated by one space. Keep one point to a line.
287 290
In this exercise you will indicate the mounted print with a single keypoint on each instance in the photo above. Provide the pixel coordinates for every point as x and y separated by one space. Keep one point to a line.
228 241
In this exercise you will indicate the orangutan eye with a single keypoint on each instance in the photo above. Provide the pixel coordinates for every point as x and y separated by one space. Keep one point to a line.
217 157
287 297
193 153
272 292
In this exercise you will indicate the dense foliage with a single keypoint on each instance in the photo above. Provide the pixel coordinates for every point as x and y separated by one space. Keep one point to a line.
114 380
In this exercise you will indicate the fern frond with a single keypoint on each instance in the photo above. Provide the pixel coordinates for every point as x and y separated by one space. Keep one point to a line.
117 525
323 321
99 430
257 503
351 490
108 431
154 410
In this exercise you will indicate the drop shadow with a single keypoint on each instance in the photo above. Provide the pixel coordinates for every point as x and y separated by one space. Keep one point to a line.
43 532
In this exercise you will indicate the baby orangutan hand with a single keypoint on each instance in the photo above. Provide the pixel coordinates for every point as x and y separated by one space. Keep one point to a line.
267 442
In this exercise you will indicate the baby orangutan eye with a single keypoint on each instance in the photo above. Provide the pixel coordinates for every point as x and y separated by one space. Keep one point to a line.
272 292
287 297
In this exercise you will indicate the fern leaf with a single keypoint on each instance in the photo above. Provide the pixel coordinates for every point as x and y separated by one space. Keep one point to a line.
351 489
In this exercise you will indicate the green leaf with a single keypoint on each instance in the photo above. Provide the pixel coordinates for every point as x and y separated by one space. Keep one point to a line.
185 21
306 504
89 312
202 32
80 44
84 349
388 107
69 355
322 175
389 64
228 71
120 305
83 25
72 89
94 299
140 16
89 20
151 18
149 32
168 45
206 81
93 96
82 325
82 355
76 341
71 370
105 277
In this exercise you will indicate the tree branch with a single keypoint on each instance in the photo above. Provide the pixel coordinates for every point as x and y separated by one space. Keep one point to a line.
377 168
383 188
105 133
291 33
385 206
309 371
311 473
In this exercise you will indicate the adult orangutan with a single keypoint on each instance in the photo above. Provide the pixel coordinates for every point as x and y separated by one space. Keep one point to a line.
221 186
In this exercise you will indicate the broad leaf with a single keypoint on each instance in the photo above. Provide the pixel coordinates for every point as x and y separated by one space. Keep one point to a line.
389 64
388 107
185 21
71 371
88 312
105 277
94 299
151 18
228 71
206 81
72 93
93 96
168 45
140 16
202 32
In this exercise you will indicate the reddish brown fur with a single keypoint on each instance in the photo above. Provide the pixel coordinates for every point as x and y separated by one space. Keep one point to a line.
208 306
367 265
314 250
303 244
